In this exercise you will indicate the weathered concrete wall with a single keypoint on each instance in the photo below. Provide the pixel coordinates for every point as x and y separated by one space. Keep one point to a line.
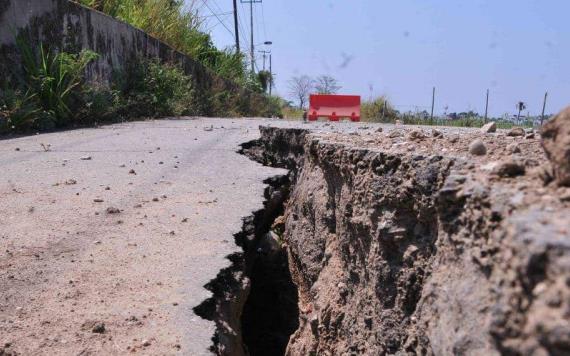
66 25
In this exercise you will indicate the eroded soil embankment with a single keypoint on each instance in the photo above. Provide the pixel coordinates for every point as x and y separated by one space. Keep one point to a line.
398 251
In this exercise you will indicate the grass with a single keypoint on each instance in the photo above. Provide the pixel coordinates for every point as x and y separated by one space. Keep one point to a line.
377 110
52 80
179 26
54 94
464 122
292 113
47 97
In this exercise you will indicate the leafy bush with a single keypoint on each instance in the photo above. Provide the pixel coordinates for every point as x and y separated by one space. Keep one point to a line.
53 92
377 110
18 110
150 88
273 107
170 22
98 103
53 79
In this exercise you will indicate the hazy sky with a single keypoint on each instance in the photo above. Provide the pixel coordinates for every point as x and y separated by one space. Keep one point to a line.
402 48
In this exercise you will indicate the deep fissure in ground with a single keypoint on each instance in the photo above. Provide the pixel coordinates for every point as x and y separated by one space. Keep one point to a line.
395 264
254 302
398 252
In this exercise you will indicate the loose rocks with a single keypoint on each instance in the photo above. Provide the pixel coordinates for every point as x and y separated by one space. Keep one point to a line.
556 144
417 135
97 327
509 168
395 133
477 148
113 210
516 131
489 127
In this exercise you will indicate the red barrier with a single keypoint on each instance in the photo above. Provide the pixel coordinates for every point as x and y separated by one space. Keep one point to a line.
334 107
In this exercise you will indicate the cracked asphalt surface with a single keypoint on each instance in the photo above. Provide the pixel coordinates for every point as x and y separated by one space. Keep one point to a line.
108 235
69 261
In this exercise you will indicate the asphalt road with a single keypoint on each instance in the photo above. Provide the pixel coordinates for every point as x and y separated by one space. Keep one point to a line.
68 266
66 263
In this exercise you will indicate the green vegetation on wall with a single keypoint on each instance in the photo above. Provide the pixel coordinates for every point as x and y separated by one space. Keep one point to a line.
49 92
170 22
54 94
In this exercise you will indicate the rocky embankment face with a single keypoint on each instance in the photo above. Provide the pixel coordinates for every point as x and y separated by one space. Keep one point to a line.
423 242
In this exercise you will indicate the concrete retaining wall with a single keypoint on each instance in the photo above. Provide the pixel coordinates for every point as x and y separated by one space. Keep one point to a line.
66 25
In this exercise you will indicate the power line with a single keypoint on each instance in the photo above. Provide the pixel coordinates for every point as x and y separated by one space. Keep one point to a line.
220 14
219 19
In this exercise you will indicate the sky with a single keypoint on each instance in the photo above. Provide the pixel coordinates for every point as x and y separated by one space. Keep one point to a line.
518 49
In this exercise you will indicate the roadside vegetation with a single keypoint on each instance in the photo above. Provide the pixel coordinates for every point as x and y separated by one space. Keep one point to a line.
178 25
377 110
54 92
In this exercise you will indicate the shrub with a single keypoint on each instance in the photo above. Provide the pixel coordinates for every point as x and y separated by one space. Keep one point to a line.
150 88
99 104
53 80
18 110
172 23
273 107
377 110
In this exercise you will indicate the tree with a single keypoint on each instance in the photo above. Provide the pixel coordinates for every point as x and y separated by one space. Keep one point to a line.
325 84
300 88
264 78
520 106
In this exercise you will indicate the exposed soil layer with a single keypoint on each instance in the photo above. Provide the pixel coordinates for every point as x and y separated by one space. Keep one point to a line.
404 242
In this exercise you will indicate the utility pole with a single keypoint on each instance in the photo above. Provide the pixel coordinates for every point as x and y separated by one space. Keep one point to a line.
270 75
543 108
265 53
252 49
487 106
236 31
264 60
432 103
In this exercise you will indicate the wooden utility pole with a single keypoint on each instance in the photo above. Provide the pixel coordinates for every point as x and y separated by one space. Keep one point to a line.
236 31
543 108
270 75
252 47
487 106
265 53
432 103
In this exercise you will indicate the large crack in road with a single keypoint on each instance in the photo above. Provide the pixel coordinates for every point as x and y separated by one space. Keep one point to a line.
364 237
66 263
